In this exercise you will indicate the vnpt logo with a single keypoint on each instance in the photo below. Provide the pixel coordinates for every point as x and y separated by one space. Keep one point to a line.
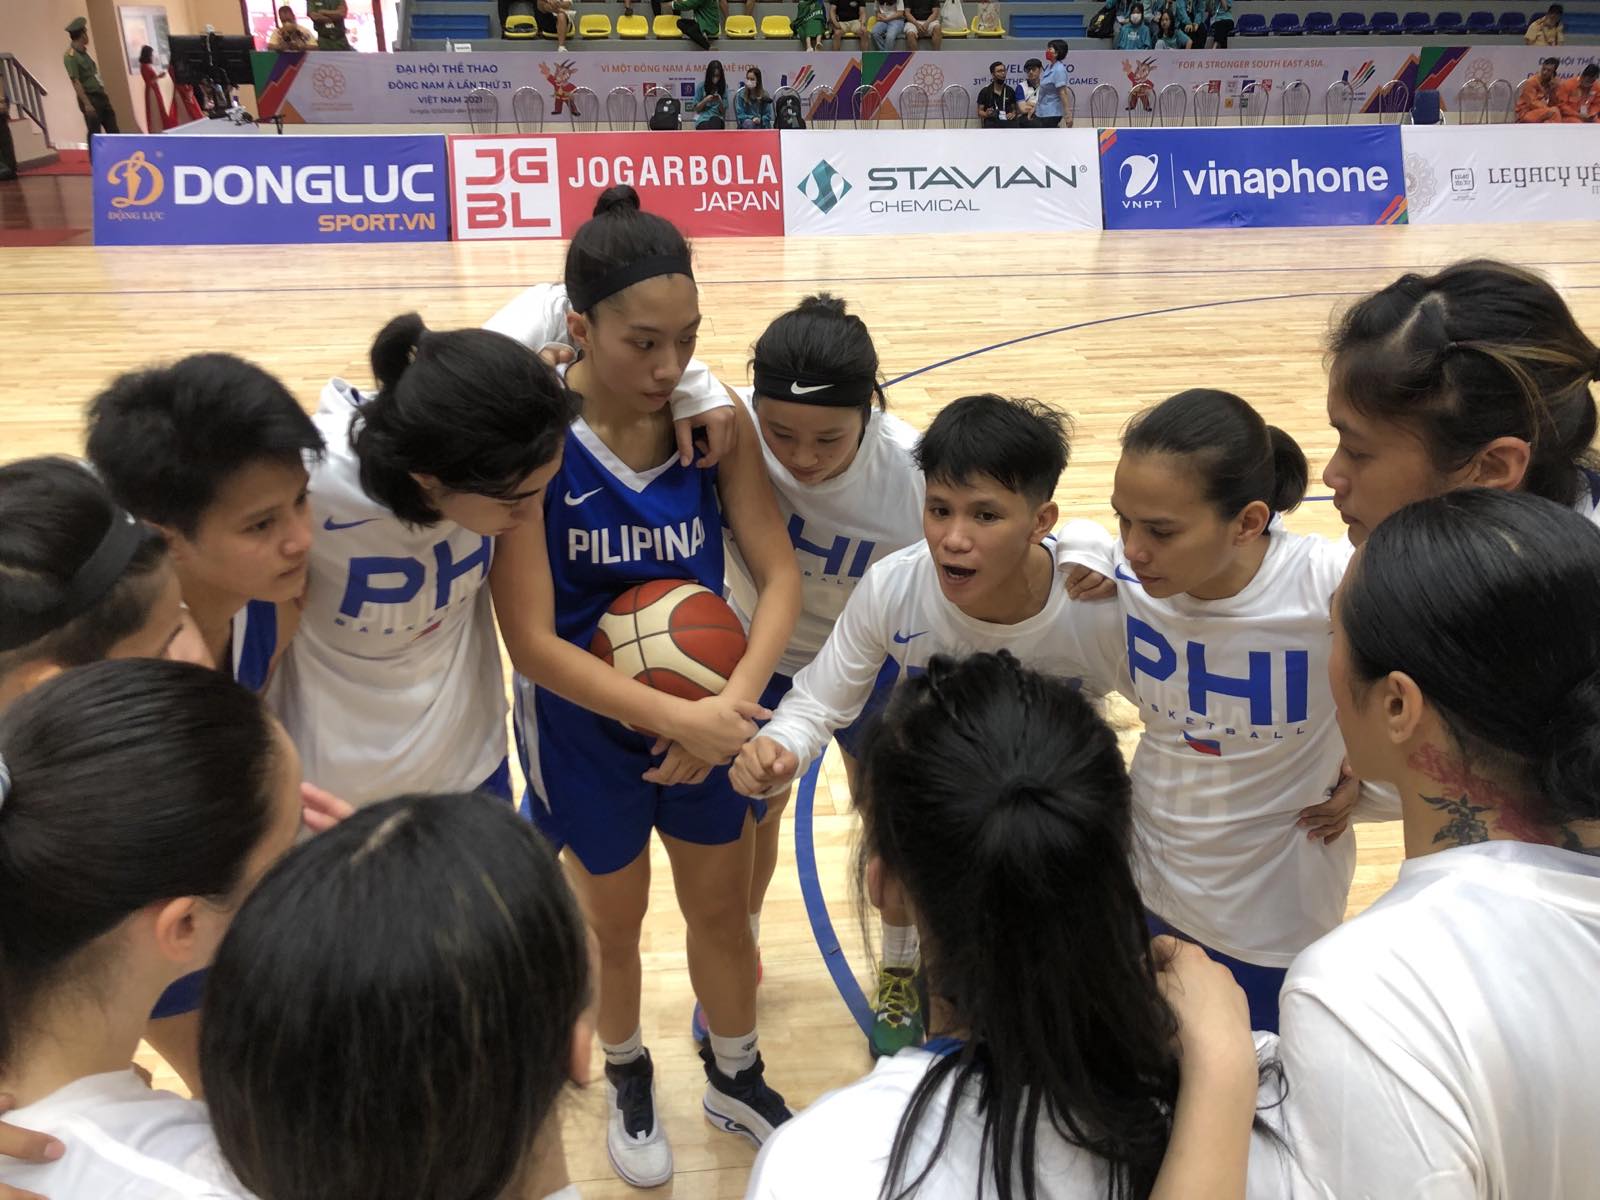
1141 174
824 186
141 180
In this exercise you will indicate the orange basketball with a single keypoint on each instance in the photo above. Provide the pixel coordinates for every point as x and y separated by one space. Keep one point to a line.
672 635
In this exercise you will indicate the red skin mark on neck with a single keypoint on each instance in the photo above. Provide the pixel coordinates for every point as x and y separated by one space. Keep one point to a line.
1459 779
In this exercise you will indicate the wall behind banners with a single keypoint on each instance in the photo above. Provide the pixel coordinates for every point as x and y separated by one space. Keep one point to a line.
240 190
1474 173
431 88
1199 178
939 181
711 184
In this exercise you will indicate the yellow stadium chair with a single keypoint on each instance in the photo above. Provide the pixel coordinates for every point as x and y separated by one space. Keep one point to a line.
777 27
633 26
666 26
740 26
976 32
953 31
594 26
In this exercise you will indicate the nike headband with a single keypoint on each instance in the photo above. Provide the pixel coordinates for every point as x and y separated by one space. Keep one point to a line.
778 385
98 574
583 299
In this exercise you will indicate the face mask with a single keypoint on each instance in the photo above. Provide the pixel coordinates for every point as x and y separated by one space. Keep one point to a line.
1050 55
1137 18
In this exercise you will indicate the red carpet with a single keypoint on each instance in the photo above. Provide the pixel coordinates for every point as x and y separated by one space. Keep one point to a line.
36 237
71 162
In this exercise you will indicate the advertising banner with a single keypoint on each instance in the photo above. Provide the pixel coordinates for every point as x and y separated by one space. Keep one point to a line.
1477 173
426 87
1208 178
712 184
234 191
939 181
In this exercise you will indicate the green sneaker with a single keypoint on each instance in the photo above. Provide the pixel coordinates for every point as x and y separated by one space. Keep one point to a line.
898 1012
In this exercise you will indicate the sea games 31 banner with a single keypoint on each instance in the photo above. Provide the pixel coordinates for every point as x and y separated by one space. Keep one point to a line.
710 184
177 191
1200 178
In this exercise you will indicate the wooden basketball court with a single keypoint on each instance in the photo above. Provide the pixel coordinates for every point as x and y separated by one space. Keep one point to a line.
1099 324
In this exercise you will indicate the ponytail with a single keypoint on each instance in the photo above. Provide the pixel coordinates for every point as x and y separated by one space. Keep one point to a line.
1238 457
476 410
131 782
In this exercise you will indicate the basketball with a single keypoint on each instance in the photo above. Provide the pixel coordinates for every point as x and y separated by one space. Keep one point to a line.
672 635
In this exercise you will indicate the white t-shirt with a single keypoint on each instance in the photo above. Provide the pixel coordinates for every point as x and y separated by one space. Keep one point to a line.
1239 737
393 682
839 1147
839 528
123 1142
537 318
897 619
1441 1045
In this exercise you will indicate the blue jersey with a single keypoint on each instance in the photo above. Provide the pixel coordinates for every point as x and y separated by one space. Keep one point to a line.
609 527
255 641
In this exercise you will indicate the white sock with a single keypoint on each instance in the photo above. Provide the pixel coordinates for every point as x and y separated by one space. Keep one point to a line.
626 1052
900 945
734 1054
755 928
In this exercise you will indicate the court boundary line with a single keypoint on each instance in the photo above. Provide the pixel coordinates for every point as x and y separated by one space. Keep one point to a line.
827 940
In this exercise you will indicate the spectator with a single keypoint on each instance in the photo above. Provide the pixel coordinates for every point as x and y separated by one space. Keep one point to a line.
710 105
1108 22
328 16
8 148
891 24
1168 35
1050 107
1135 35
1579 98
554 18
810 22
999 103
847 20
988 18
1536 102
752 107
93 102
1031 71
1546 31
158 117
702 25
922 20
289 35
1218 23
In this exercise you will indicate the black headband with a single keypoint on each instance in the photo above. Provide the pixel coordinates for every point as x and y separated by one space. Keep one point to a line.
779 385
98 574
613 281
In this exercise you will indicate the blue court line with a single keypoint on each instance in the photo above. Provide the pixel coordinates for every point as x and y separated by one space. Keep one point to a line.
805 854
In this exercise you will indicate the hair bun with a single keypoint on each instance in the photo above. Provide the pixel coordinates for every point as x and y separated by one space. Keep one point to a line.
620 198
395 348
823 303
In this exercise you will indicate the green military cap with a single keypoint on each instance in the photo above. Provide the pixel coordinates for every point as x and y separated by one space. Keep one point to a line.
79 24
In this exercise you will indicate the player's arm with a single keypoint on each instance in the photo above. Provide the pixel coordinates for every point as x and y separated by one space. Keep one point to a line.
712 729
24 1145
1086 558
750 510
829 692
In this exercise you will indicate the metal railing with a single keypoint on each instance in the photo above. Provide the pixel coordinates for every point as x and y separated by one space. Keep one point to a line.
25 93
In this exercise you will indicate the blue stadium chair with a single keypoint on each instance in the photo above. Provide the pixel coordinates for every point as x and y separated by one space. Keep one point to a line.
1447 22
1416 23
1252 25
1425 108
1480 22
1513 23
1352 22
1285 25
1386 23
1319 23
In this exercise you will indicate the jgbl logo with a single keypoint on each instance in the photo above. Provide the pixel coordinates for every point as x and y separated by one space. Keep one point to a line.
824 186
505 187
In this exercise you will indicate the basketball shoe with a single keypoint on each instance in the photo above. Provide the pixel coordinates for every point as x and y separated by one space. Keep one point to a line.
635 1143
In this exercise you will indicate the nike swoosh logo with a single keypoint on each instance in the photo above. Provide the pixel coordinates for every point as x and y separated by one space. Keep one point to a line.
333 526
574 501
902 638
796 390
1120 574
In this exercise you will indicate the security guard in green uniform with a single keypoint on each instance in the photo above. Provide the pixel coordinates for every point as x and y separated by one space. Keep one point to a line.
329 16
85 77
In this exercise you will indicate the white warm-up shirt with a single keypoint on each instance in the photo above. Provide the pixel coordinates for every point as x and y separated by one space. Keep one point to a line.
393 682
897 619
839 1147
1441 1045
839 528
1239 737
124 1141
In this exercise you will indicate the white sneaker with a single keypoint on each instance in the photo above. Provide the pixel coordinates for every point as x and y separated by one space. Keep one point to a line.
742 1103
635 1144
